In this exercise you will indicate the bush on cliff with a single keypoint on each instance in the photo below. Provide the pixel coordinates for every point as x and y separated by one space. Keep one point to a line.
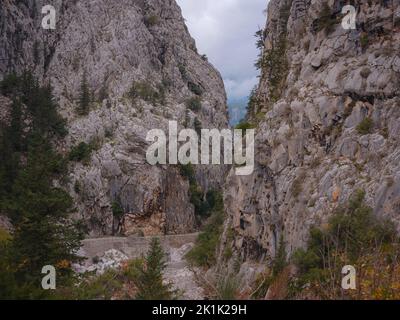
353 236
204 251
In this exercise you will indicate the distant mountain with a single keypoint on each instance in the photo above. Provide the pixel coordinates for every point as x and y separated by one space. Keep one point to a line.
237 110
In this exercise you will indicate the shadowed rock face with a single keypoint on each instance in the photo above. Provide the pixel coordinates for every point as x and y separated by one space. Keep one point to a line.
117 44
317 86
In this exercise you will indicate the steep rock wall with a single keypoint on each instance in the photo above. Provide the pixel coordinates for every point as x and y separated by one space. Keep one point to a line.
318 83
117 44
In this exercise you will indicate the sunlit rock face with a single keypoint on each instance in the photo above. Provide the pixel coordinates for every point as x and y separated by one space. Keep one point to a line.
328 121
116 45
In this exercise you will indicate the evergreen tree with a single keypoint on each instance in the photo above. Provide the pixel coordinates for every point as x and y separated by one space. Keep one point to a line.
150 280
84 97
39 211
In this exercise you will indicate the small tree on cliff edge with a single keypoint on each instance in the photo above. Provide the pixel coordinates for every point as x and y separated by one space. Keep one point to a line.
150 282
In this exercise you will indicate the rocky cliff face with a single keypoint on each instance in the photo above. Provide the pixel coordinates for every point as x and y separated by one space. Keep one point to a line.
328 122
141 67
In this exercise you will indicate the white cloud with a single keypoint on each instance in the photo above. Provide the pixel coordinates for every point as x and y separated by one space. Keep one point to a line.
224 30
237 89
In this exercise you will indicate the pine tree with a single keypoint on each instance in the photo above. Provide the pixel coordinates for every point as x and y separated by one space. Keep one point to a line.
84 97
39 211
279 262
150 282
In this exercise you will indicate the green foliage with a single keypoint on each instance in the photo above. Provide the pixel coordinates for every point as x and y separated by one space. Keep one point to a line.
195 88
194 104
244 126
150 278
364 41
11 84
228 287
117 209
183 72
326 20
252 105
77 187
274 61
144 90
187 171
279 263
365 126
353 231
267 278
39 102
111 284
297 187
365 72
5 237
151 20
39 211
84 97
81 152
204 251
204 204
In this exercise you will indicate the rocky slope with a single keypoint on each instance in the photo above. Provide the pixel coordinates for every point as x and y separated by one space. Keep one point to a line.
117 46
328 123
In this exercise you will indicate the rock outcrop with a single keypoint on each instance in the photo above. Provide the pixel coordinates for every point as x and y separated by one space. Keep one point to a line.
328 121
141 67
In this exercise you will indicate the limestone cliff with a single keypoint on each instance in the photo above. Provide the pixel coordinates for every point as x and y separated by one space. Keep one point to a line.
141 67
327 120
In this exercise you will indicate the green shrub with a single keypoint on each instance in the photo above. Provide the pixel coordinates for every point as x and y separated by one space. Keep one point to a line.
204 252
77 187
194 104
364 41
204 204
326 20
227 287
195 88
187 171
145 91
244 126
352 232
297 187
365 126
117 209
279 262
10 84
365 72
151 20
183 72
4 236
80 153
101 287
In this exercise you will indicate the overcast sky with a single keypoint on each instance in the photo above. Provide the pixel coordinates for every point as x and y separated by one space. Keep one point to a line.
224 31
